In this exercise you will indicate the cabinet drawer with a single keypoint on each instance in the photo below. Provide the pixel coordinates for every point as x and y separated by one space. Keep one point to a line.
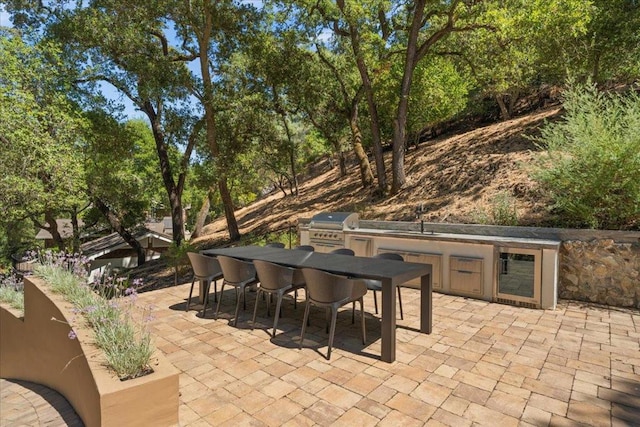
465 264
467 282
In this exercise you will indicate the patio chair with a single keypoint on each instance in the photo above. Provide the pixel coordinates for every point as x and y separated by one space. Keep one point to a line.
343 251
240 275
332 292
278 245
376 285
274 279
206 269
307 248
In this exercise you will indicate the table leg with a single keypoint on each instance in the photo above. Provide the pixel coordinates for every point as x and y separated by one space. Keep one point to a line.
202 290
388 335
426 303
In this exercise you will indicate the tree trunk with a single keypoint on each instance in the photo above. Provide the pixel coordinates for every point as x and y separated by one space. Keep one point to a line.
227 202
123 232
400 121
173 191
504 111
204 39
376 139
292 156
75 243
53 229
202 216
366 174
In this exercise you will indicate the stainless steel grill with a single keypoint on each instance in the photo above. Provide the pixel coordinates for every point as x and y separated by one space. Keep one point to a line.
326 229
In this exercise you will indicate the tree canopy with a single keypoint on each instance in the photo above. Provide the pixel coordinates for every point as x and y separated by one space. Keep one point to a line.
239 96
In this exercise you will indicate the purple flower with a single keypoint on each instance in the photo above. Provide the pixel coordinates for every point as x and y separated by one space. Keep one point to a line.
72 335
129 291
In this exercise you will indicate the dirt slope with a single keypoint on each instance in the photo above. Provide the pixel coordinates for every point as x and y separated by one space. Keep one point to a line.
454 176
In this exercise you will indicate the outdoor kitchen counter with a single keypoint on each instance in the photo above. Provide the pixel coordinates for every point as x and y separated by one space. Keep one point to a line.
523 242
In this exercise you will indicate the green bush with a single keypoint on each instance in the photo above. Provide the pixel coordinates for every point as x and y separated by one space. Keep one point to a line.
502 211
591 167
120 328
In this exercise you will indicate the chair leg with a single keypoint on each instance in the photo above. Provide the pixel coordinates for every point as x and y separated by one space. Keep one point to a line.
190 294
375 300
364 331
215 316
326 325
206 297
400 302
255 309
277 313
215 290
334 318
240 295
304 322
353 313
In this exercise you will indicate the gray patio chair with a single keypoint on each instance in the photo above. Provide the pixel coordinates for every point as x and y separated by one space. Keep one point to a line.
343 251
278 245
240 275
206 269
332 292
274 279
376 285
307 248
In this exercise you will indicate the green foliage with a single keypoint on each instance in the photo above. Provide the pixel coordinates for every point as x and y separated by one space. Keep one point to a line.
177 258
502 211
438 92
11 291
592 164
40 166
119 332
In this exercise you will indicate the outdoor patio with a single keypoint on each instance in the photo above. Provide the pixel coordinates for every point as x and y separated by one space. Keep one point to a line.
484 364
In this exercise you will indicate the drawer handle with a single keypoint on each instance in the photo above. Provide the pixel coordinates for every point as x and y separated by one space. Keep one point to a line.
465 271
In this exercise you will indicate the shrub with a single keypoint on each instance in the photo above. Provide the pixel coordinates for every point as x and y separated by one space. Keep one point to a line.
591 167
502 211
119 331
177 258
11 291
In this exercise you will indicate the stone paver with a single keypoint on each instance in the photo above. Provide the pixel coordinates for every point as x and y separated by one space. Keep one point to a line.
484 364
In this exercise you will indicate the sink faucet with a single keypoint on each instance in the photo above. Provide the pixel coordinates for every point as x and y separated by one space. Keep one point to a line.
419 211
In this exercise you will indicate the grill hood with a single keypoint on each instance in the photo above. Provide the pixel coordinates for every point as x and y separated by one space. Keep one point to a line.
335 221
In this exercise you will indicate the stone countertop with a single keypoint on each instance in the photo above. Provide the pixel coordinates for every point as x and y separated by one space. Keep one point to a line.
428 235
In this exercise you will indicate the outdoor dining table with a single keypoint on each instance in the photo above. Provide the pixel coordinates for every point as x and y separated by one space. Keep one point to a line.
390 272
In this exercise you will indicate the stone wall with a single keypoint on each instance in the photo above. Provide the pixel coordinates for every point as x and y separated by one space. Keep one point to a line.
601 271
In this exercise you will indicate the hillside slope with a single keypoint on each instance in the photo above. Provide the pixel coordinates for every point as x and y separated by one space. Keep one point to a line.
454 176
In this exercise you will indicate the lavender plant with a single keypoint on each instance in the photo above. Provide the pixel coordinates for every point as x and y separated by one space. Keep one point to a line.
120 331
11 291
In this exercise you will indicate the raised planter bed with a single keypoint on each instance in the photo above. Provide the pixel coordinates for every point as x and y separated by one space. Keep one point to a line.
37 348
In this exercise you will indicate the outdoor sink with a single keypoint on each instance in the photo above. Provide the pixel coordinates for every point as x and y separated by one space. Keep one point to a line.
412 232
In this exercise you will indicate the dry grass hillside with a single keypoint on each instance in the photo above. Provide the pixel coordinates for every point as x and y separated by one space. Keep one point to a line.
454 176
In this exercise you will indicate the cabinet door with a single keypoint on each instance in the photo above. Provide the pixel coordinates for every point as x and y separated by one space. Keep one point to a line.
436 268
361 246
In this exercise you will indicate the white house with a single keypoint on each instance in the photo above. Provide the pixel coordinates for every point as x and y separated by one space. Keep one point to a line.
113 251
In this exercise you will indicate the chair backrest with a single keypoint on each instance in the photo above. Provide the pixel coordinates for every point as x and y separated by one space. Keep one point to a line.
307 248
325 287
203 265
275 245
389 255
342 251
273 276
235 270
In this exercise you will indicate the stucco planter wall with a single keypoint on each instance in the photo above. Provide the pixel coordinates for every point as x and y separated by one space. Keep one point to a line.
38 349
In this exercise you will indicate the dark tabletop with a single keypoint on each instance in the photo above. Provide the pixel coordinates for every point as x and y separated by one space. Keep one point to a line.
361 267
